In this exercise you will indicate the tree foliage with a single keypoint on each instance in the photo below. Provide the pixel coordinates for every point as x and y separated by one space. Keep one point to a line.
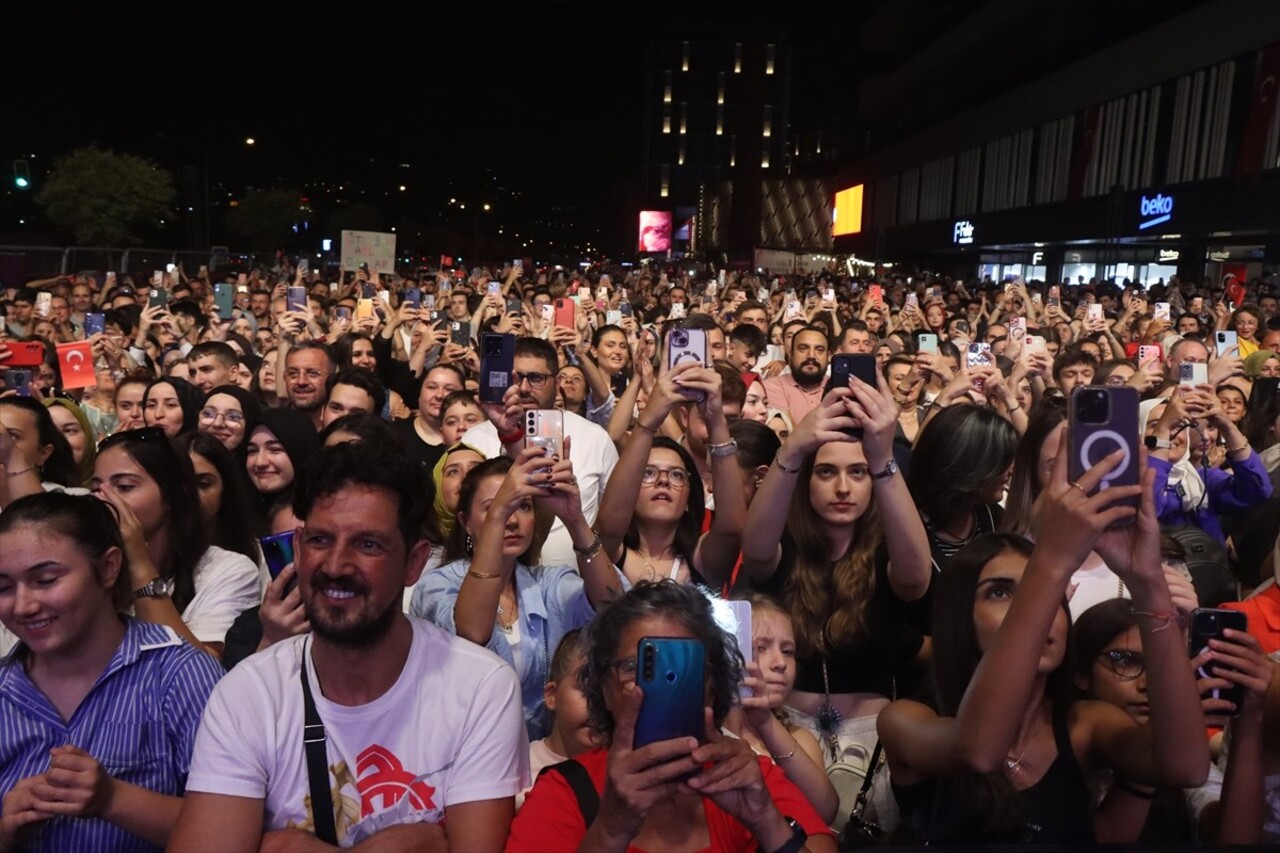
100 195
266 217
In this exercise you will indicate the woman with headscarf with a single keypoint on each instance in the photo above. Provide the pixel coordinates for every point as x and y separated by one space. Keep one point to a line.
230 414
1186 495
172 404
276 451
1262 364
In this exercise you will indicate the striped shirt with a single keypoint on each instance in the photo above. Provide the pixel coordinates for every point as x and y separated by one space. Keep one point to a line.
139 721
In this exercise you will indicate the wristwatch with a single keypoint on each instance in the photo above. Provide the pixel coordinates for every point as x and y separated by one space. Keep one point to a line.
154 588
798 837
889 471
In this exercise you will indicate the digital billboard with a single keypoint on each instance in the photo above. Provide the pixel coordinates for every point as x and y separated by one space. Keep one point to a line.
847 216
655 231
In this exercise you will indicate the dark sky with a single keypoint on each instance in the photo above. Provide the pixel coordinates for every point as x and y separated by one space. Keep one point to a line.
545 93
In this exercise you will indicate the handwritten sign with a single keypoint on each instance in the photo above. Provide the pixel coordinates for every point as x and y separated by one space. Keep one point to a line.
374 248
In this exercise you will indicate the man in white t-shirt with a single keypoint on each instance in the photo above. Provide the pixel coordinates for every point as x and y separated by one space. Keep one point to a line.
424 737
533 386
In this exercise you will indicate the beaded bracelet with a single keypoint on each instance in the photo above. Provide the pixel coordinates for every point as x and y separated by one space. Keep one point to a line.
1168 617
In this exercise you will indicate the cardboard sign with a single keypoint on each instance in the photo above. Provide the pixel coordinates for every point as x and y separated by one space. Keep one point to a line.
374 248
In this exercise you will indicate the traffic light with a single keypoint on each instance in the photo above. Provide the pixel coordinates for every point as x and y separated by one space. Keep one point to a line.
21 174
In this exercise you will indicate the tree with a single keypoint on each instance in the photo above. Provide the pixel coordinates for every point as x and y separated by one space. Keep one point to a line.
99 195
266 217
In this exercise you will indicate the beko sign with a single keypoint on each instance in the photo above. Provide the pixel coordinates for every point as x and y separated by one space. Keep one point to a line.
1155 210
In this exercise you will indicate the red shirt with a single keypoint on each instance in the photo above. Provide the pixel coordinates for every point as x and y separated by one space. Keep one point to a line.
550 819
1263 611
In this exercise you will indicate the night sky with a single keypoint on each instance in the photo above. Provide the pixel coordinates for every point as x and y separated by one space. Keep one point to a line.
543 94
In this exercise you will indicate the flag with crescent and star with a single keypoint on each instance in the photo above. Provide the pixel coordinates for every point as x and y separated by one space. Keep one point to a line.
75 363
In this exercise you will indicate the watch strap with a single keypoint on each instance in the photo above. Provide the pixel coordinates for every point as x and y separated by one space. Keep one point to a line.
151 589
889 470
798 837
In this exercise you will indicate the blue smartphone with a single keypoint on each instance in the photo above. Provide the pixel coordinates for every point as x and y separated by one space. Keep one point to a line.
224 298
670 672
277 552
95 323
413 296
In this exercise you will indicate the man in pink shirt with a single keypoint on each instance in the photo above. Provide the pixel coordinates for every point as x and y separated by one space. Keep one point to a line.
800 391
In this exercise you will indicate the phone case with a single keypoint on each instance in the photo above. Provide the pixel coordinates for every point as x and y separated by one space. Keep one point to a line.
929 343
845 365
566 313
545 428
413 296
364 309
497 352
460 333
224 299
94 324
1101 421
277 552
18 380
1208 623
978 355
1226 341
158 296
25 353
670 673
685 345
1193 373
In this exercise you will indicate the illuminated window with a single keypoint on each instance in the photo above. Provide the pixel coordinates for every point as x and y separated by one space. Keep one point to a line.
768 60
768 121
666 181
684 62
737 58
720 95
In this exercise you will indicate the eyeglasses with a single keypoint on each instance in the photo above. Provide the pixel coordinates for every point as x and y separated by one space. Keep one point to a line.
677 478
1124 663
311 373
211 415
535 380
625 668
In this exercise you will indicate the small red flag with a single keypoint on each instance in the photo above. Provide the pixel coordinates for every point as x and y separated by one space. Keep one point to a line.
75 362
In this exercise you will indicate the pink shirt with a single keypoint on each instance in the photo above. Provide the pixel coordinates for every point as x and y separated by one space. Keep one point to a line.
785 393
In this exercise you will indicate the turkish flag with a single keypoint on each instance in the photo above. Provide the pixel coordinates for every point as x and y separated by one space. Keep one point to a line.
75 363
446 261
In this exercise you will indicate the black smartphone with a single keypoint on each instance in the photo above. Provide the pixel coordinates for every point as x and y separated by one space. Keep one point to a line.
846 365
95 323
497 354
157 296
460 333
669 671
514 306
1102 420
1208 623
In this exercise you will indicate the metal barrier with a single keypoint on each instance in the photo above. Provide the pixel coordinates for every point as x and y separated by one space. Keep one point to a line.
20 263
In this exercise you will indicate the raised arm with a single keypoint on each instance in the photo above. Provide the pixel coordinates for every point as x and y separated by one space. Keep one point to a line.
718 548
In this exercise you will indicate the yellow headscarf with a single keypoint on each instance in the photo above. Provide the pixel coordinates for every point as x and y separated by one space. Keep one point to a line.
445 515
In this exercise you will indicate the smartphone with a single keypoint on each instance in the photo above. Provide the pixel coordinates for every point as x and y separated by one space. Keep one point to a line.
367 289
25 353
95 323
1208 623
1193 373
494 288
793 310
978 355
677 311
242 279
497 354
518 263
913 301
433 317
545 428
875 293
44 305
364 309
1095 311
304 266
1148 353
1017 328
460 333
669 672
734 618
1102 420
685 345
547 312
1034 343
829 295
1161 311
384 295
429 301
18 380
1226 341
224 298
624 309
158 296
277 552
566 313
343 313
928 343
762 295
413 296
1054 292
845 366
515 307
612 318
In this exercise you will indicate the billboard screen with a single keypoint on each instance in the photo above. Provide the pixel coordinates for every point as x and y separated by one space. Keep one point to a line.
655 231
847 216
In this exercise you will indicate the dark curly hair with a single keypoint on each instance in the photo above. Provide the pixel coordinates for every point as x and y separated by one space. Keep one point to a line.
680 602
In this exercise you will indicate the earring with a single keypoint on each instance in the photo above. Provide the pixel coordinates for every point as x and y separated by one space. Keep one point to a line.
468 542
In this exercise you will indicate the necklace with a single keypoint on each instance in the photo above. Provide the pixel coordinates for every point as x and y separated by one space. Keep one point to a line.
651 571
505 626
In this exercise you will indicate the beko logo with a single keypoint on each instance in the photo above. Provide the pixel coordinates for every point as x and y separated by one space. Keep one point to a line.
1159 208
963 232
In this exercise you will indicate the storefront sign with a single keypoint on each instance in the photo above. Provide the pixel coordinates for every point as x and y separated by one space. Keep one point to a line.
1155 210
962 234
1169 255
1037 258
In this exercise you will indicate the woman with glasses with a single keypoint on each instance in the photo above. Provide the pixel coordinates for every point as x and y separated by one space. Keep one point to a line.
706 793
230 414
173 405
176 577
492 590
1110 666
651 515
99 710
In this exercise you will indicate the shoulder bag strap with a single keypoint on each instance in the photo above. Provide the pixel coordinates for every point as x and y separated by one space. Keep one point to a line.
864 793
584 790
313 742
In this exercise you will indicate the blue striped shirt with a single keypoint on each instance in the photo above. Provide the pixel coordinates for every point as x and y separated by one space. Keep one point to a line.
139 721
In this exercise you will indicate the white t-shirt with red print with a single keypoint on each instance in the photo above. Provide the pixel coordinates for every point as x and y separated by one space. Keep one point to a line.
449 731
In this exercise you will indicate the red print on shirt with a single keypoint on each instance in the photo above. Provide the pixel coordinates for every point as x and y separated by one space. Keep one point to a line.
382 780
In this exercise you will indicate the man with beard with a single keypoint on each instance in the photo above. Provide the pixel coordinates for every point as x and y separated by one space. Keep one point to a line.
413 738
308 367
533 386
800 391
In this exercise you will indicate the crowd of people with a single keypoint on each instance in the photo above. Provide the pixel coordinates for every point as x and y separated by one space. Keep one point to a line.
302 564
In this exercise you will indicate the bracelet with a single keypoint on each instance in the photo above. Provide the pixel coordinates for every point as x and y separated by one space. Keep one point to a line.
783 468
782 757
511 437
729 448
1239 449
1016 407
27 470
588 553
484 576
1168 617
651 430
1132 790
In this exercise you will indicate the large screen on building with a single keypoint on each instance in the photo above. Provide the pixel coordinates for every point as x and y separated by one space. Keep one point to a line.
847 218
655 230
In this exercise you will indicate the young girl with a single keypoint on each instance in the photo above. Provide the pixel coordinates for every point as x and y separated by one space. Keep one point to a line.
101 711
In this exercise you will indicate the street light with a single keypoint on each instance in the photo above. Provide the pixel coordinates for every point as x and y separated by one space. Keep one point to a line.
486 207
250 141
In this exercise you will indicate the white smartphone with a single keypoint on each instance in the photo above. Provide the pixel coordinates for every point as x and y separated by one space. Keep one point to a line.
1161 311
1193 373
1225 342
544 428
1095 311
